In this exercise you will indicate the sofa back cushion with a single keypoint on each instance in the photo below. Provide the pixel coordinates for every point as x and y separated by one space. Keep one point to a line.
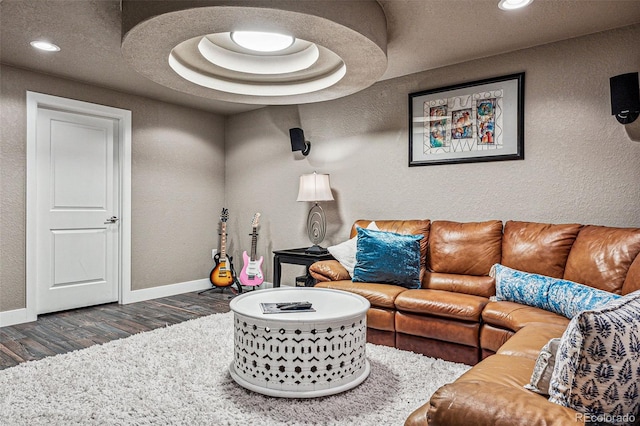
539 248
601 257
468 284
405 227
464 248
632 282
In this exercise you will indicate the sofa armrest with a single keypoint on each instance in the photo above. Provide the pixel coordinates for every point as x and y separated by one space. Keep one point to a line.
489 404
328 270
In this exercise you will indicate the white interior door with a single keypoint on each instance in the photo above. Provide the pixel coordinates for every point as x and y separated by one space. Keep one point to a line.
77 210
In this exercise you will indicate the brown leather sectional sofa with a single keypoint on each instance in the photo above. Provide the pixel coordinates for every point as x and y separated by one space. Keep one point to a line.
451 316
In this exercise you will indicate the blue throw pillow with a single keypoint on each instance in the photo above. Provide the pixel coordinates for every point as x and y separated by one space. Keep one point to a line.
387 257
551 294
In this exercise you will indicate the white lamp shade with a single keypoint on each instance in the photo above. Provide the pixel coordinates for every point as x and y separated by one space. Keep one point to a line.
314 187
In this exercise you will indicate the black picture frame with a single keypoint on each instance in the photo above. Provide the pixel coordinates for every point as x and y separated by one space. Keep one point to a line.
471 122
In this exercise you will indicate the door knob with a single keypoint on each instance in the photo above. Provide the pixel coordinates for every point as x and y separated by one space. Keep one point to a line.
112 219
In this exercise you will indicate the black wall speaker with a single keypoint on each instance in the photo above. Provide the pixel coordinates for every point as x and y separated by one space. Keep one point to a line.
625 97
297 141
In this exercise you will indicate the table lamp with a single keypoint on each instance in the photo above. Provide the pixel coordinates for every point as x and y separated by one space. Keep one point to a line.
315 187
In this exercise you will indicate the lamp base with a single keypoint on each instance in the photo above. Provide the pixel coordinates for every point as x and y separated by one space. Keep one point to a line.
316 229
316 249
627 117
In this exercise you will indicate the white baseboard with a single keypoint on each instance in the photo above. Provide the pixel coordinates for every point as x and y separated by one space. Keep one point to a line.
17 316
133 296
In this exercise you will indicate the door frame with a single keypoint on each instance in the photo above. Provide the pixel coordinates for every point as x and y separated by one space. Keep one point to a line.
36 101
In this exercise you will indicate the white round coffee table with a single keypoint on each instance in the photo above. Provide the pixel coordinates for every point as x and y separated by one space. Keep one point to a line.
300 354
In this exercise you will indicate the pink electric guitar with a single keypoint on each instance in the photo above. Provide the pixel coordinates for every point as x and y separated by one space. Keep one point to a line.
251 274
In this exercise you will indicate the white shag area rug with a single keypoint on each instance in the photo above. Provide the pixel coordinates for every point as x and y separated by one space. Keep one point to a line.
179 375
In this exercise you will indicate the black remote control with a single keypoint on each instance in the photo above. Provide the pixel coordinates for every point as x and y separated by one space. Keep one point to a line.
294 306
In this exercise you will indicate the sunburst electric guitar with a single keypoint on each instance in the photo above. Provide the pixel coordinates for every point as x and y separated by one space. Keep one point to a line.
251 274
222 274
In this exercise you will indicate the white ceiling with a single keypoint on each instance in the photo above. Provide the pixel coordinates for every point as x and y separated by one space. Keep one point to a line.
422 35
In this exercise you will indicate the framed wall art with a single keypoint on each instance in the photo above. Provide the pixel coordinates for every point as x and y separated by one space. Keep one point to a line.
470 122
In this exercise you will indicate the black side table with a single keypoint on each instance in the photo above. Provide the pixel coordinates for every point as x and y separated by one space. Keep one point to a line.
296 257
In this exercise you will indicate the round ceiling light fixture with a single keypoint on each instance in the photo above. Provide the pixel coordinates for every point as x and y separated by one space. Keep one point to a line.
305 53
216 62
45 45
218 50
259 41
513 4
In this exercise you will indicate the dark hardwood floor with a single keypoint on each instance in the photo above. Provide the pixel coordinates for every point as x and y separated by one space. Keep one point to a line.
67 331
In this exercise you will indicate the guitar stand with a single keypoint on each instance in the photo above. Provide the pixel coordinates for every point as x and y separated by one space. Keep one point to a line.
230 287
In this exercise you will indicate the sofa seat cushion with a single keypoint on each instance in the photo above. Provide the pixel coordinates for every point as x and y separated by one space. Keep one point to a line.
468 284
530 339
379 295
514 316
505 370
440 303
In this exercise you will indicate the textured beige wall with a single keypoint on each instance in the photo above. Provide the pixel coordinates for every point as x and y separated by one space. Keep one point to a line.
177 183
580 164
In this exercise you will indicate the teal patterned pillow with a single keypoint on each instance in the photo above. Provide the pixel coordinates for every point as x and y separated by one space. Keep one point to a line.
551 294
597 369
387 257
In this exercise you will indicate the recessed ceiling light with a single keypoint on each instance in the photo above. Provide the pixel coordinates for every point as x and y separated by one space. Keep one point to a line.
262 42
513 4
45 45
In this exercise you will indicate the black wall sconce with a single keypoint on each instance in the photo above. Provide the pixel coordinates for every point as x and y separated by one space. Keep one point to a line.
298 143
625 97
